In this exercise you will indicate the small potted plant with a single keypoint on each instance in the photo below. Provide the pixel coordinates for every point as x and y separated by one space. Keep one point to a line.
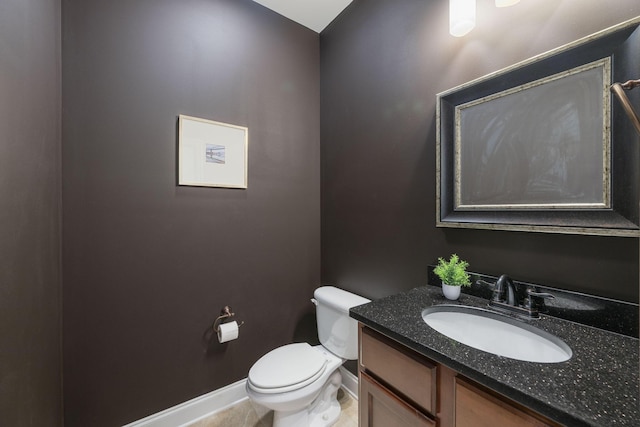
453 274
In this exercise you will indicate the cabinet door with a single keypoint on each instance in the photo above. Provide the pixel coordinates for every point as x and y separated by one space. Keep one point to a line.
408 374
475 407
381 408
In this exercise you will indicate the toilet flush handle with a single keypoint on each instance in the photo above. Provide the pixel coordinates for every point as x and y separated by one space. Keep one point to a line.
314 301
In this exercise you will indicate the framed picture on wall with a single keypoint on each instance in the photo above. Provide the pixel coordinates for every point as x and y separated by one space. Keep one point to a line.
211 154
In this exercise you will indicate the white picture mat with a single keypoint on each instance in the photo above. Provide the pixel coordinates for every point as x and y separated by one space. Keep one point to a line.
229 142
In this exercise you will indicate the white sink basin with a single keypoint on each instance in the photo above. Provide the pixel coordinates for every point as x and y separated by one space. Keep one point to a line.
494 333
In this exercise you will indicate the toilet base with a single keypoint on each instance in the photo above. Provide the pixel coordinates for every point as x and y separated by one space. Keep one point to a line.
324 411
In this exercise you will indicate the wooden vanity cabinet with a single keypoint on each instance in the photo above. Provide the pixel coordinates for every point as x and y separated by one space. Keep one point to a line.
477 407
380 407
402 388
390 395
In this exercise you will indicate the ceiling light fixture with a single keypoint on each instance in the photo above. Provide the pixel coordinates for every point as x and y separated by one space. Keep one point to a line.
462 17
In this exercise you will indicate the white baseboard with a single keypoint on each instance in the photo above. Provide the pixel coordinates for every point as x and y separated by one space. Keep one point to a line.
206 405
195 409
349 382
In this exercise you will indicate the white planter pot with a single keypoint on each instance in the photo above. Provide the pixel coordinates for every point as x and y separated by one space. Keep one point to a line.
451 292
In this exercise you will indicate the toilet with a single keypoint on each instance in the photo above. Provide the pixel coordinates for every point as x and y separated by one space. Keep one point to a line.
299 382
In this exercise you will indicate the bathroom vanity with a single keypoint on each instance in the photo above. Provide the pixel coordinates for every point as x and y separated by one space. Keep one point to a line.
401 387
411 375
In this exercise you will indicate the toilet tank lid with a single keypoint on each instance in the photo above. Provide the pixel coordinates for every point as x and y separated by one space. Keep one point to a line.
338 298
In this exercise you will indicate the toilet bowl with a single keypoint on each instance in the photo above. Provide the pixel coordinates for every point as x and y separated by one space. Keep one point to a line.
292 403
300 382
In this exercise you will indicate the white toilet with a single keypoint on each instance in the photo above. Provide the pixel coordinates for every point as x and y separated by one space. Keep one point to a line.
300 382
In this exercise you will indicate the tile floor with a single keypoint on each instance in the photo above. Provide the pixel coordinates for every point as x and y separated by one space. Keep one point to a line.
246 414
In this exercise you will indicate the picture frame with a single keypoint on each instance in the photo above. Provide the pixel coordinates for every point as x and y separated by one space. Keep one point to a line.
212 154
540 146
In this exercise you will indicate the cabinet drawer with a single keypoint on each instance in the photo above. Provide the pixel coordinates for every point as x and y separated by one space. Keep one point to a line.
475 407
381 408
405 372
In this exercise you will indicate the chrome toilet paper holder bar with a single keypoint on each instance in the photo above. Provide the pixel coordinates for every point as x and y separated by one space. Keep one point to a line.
225 313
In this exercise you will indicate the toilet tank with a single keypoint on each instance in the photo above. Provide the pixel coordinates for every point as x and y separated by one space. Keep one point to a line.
337 331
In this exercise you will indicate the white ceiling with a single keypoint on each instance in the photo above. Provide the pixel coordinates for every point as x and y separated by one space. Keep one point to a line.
314 14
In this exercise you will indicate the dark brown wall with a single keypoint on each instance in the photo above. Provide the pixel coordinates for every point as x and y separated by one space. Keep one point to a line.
382 64
30 106
147 264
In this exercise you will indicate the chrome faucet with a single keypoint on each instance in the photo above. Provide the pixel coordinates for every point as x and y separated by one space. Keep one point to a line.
508 296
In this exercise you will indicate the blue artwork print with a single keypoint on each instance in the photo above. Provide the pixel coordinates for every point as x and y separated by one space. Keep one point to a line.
215 154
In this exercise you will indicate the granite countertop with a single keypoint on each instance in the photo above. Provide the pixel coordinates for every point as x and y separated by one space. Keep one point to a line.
598 386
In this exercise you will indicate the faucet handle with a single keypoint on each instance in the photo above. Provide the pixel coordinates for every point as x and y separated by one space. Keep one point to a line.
497 290
530 304
531 291
504 290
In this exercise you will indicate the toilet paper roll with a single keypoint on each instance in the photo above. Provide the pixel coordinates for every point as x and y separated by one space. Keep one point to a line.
228 331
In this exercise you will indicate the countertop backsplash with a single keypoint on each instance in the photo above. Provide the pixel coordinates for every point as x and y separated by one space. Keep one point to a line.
603 313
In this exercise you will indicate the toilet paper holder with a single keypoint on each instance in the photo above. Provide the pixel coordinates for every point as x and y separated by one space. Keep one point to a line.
225 313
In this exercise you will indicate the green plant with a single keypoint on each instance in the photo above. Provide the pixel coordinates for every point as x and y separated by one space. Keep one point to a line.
453 272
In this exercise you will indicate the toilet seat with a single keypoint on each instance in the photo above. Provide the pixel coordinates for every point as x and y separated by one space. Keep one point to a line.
287 368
